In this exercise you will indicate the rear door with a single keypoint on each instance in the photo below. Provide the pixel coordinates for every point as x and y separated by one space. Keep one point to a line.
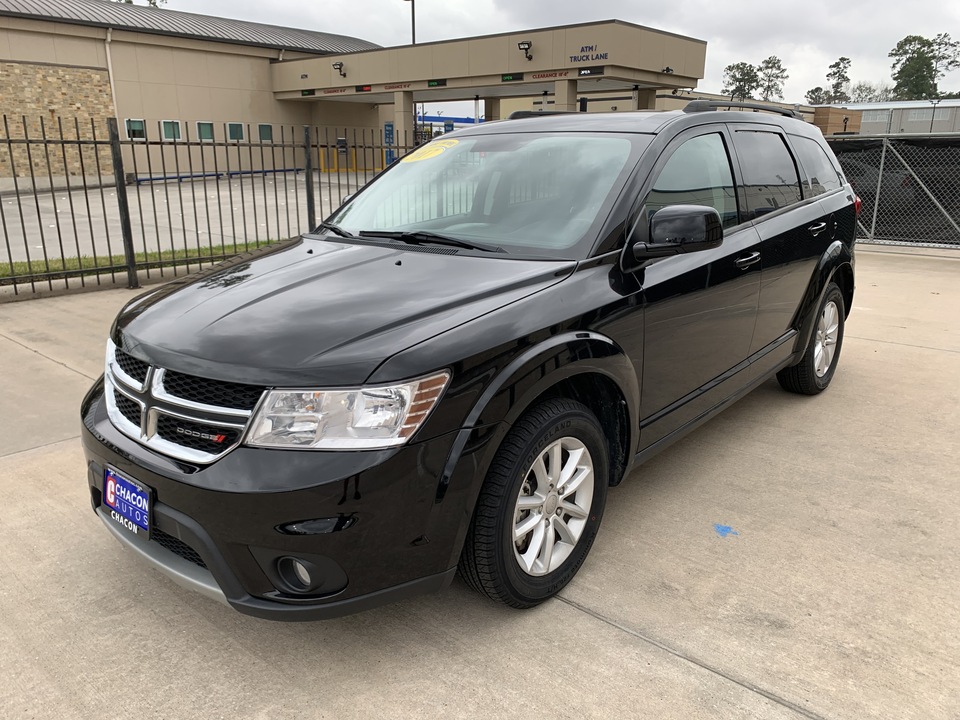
794 230
820 179
700 308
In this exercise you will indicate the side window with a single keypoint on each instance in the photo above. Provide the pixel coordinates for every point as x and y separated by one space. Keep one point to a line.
698 173
770 179
819 174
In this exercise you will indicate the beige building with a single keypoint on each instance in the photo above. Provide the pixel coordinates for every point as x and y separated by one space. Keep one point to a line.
564 63
617 102
173 76
164 75
905 116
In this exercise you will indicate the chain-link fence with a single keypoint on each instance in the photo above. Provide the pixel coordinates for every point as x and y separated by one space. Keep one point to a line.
909 186
79 205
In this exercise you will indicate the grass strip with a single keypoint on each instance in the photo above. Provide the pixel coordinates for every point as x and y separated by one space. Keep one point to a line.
23 271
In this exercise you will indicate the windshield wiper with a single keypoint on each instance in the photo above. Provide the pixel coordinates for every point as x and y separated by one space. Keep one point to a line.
335 229
425 237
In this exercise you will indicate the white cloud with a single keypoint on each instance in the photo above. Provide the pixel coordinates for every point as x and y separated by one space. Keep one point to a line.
807 36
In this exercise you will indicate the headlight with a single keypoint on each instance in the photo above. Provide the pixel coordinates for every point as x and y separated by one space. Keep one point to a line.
347 419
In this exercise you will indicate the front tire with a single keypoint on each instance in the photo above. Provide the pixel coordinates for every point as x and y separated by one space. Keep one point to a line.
540 506
815 370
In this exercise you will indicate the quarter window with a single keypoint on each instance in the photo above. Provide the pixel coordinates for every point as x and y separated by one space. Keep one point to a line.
697 173
820 176
770 180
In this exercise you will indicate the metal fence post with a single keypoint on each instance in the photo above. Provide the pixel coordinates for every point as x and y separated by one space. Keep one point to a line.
119 179
876 199
308 176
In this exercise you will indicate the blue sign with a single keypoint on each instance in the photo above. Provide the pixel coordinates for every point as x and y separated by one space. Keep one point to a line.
448 126
388 140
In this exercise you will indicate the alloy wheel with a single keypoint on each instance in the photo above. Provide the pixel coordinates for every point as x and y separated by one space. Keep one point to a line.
826 343
553 506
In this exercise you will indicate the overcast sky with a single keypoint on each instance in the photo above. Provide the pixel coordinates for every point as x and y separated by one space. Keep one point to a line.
807 35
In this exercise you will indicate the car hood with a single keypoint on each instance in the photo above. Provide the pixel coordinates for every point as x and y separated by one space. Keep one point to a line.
320 312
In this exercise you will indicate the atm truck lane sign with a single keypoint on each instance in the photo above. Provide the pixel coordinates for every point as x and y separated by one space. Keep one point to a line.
128 503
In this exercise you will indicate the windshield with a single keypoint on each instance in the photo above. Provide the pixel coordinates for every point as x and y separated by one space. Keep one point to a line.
527 194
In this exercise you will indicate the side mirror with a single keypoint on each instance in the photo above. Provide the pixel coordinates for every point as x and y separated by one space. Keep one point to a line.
679 229
346 199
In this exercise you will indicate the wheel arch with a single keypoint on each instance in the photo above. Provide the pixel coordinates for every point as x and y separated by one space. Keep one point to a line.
584 366
835 265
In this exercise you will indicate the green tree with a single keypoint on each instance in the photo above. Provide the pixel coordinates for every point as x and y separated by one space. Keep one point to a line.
772 76
740 80
839 79
919 63
946 55
863 92
914 69
817 96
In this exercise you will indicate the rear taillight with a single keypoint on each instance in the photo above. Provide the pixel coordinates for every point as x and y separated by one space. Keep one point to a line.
858 205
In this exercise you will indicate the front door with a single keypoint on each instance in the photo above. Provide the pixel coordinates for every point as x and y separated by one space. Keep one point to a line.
699 308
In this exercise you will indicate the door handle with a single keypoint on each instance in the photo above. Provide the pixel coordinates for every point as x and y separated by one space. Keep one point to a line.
747 260
817 229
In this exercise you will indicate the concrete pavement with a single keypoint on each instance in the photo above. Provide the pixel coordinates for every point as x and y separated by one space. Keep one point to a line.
794 557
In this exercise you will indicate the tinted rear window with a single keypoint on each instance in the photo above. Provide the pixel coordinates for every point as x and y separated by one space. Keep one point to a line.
819 174
770 179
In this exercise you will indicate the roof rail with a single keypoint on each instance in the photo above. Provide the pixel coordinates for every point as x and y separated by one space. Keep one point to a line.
706 105
520 114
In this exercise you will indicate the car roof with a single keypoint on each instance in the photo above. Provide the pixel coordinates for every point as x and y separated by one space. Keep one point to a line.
633 121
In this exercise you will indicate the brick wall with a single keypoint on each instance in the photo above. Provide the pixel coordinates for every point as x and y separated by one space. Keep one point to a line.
57 101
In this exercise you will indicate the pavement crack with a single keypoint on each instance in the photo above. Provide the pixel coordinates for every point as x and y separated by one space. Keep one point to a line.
34 350
894 342
37 447
772 697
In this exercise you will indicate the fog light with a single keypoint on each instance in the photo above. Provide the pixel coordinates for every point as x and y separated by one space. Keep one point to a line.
295 573
303 575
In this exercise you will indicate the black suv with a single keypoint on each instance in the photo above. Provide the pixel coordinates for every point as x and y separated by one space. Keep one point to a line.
452 370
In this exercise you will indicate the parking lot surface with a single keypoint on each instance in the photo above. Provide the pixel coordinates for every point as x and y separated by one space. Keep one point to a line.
793 558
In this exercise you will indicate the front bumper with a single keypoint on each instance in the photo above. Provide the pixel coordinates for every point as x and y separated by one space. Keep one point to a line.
388 531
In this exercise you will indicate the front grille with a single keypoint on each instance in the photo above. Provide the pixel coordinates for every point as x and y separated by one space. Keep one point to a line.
137 369
215 439
128 408
181 416
211 392
177 546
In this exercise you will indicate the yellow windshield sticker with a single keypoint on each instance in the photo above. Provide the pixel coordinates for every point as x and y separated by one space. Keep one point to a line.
437 147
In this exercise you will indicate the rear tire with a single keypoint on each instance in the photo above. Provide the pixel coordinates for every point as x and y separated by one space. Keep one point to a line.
540 506
815 370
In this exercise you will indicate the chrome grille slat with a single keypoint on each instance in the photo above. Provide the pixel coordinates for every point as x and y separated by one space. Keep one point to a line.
160 392
178 427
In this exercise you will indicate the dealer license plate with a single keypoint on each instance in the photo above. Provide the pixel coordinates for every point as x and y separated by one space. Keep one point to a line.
127 503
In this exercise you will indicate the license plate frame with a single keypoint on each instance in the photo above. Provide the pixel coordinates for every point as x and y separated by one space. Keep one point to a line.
128 503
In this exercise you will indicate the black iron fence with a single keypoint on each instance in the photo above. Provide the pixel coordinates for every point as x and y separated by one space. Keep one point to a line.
909 186
80 205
